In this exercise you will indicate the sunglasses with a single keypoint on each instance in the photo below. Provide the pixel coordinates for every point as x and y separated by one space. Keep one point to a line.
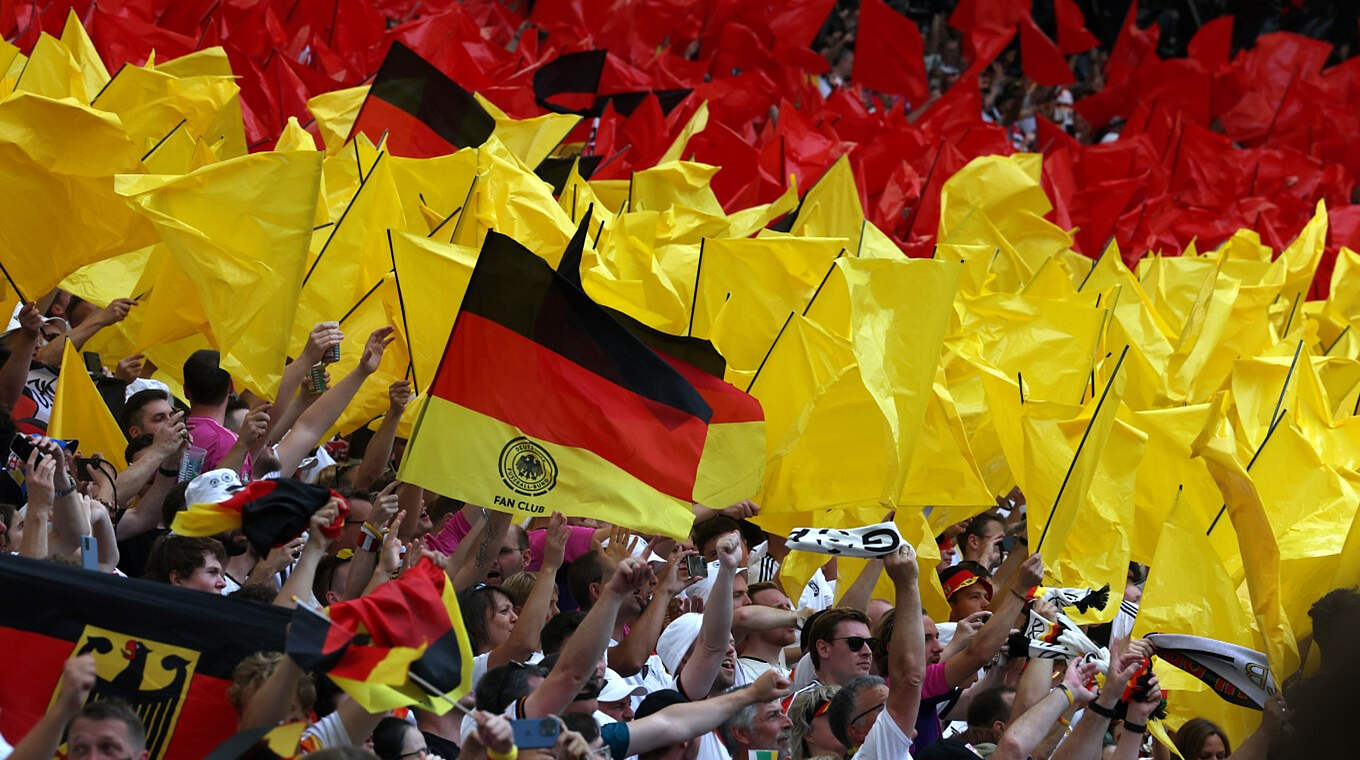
856 643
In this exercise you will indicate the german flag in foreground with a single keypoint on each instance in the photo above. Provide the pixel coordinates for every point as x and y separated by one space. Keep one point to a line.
733 464
423 112
543 402
403 645
269 512
166 651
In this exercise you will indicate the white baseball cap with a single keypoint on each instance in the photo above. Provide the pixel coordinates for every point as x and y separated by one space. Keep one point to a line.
615 688
212 487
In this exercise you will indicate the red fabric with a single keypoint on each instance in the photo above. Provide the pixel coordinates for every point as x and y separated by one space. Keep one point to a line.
889 52
1073 36
1040 57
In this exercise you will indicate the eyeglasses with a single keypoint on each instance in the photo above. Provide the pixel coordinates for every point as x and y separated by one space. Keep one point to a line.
856 643
418 753
878 706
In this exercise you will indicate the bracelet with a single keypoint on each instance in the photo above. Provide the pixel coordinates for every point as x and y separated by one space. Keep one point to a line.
63 492
1066 692
1135 728
369 543
494 755
169 473
1023 599
1101 710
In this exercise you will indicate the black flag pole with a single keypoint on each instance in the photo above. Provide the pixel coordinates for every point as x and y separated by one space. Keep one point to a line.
1080 445
401 305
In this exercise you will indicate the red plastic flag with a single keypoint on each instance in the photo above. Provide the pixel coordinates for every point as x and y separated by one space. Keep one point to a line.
889 53
1040 58
1212 44
1073 36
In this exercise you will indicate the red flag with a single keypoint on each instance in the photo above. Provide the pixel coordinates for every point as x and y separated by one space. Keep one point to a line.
889 53
798 21
1073 36
1040 58
1212 44
1131 47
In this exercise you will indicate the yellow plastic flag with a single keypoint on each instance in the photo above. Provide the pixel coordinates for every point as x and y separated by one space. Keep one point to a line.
831 208
513 201
154 104
225 129
294 137
93 74
530 140
696 124
943 472
996 186
431 278
335 112
635 273
1260 550
79 412
52 72
1302 256
748 221
60 212
240 229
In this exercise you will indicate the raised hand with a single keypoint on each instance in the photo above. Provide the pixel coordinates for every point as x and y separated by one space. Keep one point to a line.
1142 709
1031 571
1079 679
39 473
555 545
78 677
901 565
130 367
385 505
323 336
255 424
494 732
742 510
377 343
631 575
171 438
30 320
320 520
115 312
770 685
399 394
729 550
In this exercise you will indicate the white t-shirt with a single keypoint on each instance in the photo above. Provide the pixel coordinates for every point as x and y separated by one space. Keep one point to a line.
819 593
711 748
885 740
327 732
754 668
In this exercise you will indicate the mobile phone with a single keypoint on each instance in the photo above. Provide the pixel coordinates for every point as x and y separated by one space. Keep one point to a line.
536 733
89 552
696 566
93 365
318 377
1008 543
191 463
22 447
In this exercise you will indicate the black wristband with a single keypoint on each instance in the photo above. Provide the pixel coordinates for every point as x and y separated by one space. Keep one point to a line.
1135 728
170 473
1101 710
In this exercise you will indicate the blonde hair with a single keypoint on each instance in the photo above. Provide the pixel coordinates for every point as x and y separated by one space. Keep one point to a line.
255 669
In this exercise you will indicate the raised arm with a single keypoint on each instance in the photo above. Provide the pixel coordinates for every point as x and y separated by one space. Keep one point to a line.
715 633
115 312
300 580
907 655
687 720
483 548
323 336
631 654
1087 736
1135 723
988 641
857 596
1025 732
101 527
14 373
583 650
78 677
386 514
523 640
38 472
70 519
379 449
322 414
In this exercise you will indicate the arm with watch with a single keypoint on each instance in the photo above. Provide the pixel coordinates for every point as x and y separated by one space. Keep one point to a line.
385 517
1006 606
1135 723
1004 577
1087 736
1025 733
70 519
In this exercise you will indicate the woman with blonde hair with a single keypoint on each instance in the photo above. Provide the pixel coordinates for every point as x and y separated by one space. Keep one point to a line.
812 735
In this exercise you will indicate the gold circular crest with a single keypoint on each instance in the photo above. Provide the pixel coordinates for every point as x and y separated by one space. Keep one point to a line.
527 467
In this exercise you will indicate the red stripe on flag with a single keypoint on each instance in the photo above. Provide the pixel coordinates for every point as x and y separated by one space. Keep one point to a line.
406 134
496 371
728 403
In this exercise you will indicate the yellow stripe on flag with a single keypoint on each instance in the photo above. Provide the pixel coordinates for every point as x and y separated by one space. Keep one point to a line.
458 453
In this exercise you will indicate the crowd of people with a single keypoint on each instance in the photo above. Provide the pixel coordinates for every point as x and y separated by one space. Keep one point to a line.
626 645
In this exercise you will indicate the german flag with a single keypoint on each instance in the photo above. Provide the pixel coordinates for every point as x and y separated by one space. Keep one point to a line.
269 512
585 82
733 463
421 110
166 651
264 743
543 402
403 645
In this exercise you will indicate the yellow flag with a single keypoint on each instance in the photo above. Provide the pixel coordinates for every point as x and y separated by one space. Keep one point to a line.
60 211
696 124
154 104
93 75
432 278
530 140
1260 550
79 412
831 208
335 113
224 128
52 72
240 230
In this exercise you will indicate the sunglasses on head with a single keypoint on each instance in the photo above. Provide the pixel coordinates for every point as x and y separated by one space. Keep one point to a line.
856 643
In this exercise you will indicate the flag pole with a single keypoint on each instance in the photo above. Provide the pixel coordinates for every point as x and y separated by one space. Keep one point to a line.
694 299
769 351
1080 444
12 283
451 215
360 302
468 199
161 141
401 305
1259 449
825 277
362 182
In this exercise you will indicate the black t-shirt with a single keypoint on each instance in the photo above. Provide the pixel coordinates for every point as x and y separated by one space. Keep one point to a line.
438 745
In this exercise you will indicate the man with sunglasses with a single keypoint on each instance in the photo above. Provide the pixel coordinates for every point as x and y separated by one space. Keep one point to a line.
876 716
841 647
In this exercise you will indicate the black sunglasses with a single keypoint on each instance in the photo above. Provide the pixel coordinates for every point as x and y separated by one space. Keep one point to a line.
856 643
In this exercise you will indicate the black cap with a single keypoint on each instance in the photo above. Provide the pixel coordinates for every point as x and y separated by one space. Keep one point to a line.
658 701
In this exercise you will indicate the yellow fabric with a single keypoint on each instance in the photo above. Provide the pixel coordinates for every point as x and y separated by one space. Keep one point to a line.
456 452
831 208
530 140
335 113
696 124
93 74
206 520
80 412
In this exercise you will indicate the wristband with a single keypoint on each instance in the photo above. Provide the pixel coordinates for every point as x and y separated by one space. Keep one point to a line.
1023 599
1102 711
64 492
1066 692
369 543
494 755
1135 728
169 473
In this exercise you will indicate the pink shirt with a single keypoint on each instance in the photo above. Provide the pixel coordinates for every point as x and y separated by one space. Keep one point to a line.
208 434
578 542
